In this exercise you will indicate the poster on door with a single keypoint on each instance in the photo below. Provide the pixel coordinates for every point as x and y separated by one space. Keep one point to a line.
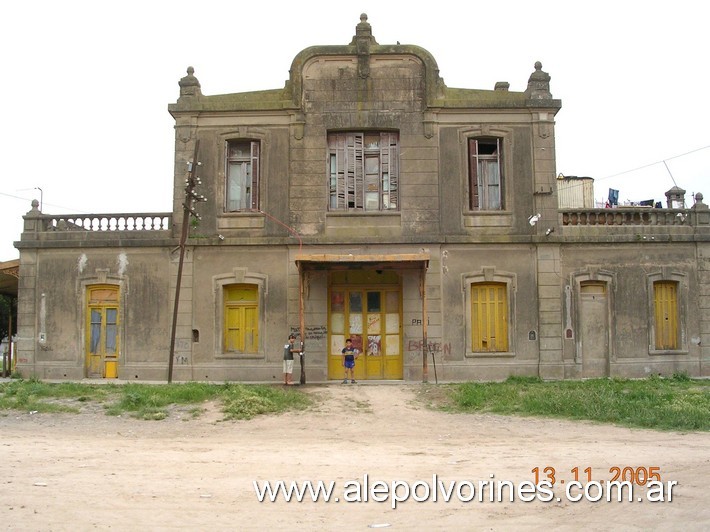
373 323
374 345
357 341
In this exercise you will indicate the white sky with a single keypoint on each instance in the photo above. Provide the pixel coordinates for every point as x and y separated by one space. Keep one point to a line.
86 84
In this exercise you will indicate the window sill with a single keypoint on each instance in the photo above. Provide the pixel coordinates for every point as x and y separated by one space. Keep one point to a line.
496 354
387 223
656 352
355 213
488 219
240 220
239 356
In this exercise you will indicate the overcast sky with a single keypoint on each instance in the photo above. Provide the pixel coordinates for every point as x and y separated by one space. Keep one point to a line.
86 84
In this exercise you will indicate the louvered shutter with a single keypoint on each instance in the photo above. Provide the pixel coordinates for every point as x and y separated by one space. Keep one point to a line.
473 174
389 164
255 170
355 170
336 171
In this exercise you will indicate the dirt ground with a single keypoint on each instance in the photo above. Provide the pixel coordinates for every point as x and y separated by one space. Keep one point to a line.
91 471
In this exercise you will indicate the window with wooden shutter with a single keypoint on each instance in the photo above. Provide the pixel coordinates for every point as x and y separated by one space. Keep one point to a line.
389 157
485 174
489 317
665 303
241 318
242 176
363 171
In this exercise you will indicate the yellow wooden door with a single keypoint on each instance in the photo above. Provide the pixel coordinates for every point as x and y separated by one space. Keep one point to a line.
102 338
372 335
665 306
371 318
392 334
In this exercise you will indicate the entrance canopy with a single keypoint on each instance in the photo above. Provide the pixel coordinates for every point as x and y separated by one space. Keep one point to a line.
9 277
350 261
396 261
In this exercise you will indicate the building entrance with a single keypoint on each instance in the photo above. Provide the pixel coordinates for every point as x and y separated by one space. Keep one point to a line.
102 332
594 330
366 306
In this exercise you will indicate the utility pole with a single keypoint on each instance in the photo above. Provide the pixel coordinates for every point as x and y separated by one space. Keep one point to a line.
302 324
191 197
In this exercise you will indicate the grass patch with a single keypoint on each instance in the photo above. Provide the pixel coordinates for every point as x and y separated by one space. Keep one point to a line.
37 396
677 403
243 401
150 402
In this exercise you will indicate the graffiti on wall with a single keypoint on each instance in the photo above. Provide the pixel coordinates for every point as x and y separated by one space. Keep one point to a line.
312 333
417 346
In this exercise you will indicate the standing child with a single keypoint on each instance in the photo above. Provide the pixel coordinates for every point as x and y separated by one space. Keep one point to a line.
349 356
289 350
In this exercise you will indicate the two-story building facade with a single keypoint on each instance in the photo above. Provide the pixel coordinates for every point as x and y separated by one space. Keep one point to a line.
367 200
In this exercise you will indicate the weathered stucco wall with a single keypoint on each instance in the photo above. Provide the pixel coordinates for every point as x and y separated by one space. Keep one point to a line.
543 261
630 270
54 307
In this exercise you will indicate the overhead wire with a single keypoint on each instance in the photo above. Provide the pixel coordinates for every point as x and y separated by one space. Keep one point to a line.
662 161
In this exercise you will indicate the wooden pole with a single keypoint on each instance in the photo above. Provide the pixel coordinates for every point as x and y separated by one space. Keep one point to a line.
302 322
187 210
9 347
425 319
7 366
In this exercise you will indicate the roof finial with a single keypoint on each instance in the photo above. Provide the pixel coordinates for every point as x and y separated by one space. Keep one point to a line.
539 84
189 85
363 31
364 27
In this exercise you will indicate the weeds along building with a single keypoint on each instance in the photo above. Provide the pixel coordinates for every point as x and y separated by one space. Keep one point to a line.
367 200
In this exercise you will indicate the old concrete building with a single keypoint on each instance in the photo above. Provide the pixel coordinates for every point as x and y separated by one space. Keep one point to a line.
367 200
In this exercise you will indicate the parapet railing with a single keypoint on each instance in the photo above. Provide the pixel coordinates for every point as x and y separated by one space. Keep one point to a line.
145 221
628 216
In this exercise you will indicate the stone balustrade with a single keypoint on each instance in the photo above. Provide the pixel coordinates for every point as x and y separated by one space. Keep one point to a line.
152 221
135 229
628 216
